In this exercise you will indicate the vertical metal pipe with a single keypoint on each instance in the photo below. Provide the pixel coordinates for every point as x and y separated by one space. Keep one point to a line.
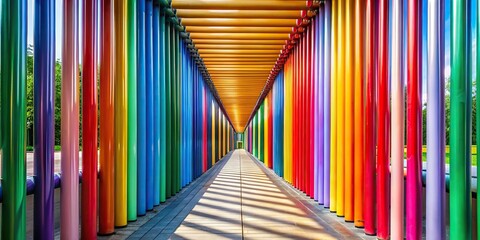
349 58
359 83
370 125
157 106
89 121
178 63
168 110
205 128
131 46
287 124
264 117
435 192
43 117
69 205
310 97
163 107
120 114
13 84
316 105
460 176
414 123
397 123
333 110
141 111
327 62
341 110
320 100
106 200
149 110
383 118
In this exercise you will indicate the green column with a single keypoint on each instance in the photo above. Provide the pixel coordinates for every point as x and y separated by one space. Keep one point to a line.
261 134
13 117
460 196
254 135
168 111
132 110
163 108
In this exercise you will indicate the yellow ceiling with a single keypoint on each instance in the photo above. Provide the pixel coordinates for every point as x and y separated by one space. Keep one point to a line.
239 42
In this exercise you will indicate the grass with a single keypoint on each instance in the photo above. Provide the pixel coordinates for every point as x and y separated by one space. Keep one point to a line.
57 148
447 158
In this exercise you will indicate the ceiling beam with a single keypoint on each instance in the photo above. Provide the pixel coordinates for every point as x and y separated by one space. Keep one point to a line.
239 51
201 13
270 63
239 41
238 22
241 36
245 56
240 5
232 46
214 29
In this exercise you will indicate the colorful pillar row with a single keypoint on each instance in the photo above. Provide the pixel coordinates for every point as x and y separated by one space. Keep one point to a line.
157 115
347 82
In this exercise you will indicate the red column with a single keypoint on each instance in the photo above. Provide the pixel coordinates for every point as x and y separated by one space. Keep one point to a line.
89 107
370 148
414 123
383 126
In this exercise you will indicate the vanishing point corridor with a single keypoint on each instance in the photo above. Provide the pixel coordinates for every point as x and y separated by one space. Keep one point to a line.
245 200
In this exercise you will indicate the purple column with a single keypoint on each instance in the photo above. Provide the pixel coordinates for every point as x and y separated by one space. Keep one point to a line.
435 196
321 84
316 96
44 120
326 101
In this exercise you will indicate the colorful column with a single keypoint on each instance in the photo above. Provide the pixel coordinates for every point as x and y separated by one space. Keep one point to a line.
106 197
69 205
121 115
43 118
89 121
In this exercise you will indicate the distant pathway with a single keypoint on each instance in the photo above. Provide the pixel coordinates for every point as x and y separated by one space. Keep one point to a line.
245 201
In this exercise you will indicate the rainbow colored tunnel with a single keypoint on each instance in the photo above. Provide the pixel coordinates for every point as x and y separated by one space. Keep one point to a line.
368 107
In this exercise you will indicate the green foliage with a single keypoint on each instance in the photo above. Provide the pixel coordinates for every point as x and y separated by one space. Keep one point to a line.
447 115
58 90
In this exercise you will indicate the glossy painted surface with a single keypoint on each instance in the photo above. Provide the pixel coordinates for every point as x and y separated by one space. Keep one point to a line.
340 105
13 85
349 114
460 197
149 110
359 113
370 124
397 123
70 104
414 124
132 146
141 111
89 122
435 193
333 112
157 105
327 101
43 117
107 124
120 115
383 120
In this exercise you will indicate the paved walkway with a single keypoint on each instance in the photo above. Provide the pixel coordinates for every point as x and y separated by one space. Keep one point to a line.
244 200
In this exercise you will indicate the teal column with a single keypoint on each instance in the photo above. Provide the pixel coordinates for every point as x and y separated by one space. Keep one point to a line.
132 110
